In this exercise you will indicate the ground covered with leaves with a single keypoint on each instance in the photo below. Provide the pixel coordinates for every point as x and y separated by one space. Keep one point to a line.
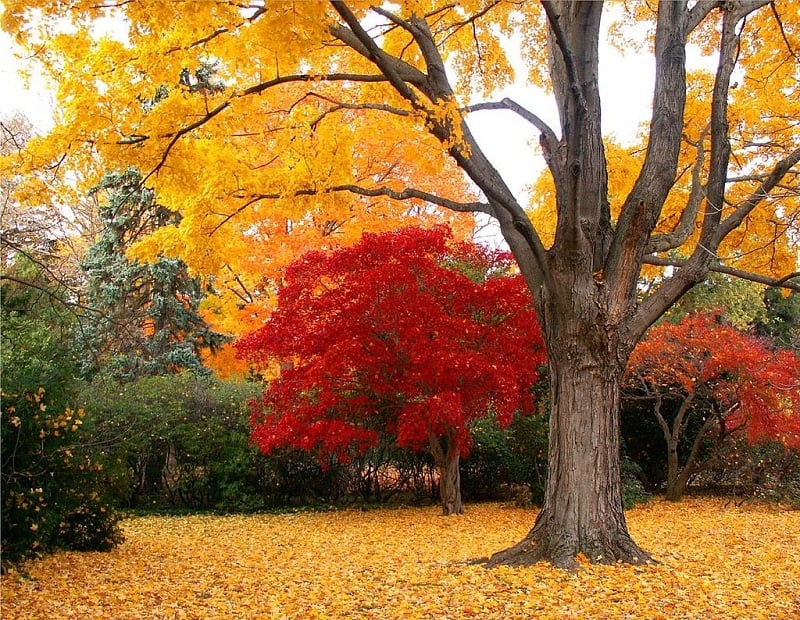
717 560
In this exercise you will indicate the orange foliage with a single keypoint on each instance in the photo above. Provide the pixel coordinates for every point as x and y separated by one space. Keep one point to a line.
717 561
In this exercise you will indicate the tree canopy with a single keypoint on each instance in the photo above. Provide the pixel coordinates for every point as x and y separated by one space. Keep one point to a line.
404 335
706 380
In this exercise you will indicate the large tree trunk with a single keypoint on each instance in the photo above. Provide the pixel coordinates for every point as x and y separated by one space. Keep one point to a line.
582 510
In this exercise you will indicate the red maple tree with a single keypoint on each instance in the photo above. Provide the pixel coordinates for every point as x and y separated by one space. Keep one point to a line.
406 333
706 377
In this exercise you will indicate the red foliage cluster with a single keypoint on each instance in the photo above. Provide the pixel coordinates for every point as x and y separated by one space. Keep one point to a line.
739 372
406 334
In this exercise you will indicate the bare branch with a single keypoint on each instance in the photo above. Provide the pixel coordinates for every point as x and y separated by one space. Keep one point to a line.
784 282
182 132
50 293
469 20
302 77
410 193
513 106
253 90
406 194
778 172
340 105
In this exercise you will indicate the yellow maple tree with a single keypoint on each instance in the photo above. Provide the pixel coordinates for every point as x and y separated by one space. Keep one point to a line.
251 196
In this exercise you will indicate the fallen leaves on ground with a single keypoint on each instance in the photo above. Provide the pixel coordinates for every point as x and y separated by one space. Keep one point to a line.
717 561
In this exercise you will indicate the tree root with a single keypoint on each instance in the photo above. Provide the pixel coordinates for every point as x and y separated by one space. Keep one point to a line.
561 551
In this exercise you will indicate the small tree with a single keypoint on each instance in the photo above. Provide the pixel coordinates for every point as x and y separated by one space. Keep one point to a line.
405 334
149 322
707 380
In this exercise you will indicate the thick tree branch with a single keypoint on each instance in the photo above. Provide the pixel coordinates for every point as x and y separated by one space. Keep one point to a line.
699 12
511 105
502 205
640 212
410 193
685 227
720 143
399 73
566 52
712 233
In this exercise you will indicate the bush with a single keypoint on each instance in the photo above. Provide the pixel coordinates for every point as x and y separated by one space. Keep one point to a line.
52 481
179 441
52 485
633 491
503 461
769 472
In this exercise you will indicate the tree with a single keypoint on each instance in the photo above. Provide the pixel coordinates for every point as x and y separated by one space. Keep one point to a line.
392 336
51 238
741 302
705 381
148 320
781 320
332 104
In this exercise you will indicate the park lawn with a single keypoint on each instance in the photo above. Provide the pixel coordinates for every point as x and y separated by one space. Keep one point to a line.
718 560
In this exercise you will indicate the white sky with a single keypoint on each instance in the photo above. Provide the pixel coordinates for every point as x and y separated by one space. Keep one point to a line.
15 95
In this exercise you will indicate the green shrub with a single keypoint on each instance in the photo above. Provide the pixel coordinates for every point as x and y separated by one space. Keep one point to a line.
53 494
504 458
179 441
768 472
633 491
53 482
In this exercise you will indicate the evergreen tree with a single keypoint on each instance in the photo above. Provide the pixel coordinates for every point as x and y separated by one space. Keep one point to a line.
782 320
149 322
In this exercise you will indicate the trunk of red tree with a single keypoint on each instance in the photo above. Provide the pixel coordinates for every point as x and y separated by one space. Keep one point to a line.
678 477
450 485
582 510
447 462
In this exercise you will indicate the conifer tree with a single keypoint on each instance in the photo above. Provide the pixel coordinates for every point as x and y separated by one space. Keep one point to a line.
149 321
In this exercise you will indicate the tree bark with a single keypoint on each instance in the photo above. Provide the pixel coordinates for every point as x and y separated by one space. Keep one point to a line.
450 485
447 461
582 510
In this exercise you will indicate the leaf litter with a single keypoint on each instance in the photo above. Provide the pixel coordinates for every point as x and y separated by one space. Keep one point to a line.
717 560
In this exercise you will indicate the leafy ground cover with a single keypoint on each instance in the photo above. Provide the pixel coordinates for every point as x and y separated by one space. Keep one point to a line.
718 561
